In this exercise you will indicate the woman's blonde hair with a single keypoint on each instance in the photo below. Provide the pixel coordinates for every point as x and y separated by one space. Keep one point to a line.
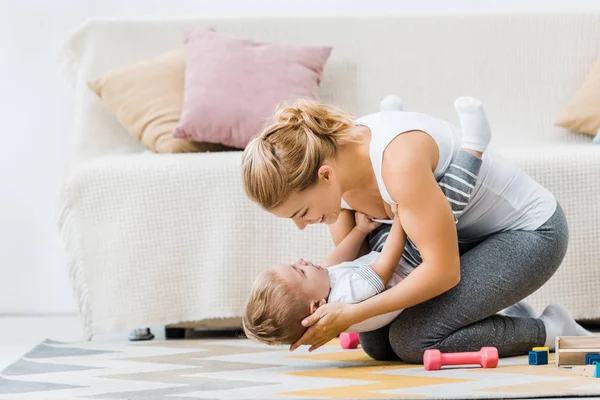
285 158
274 311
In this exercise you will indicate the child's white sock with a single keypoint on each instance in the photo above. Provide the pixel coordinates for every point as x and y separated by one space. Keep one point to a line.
476 132
521 309
391 103
559 322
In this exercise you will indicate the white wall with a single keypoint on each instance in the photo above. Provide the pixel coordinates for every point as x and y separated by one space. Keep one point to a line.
35 117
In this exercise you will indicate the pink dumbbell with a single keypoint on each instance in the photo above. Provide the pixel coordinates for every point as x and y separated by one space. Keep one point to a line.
349 340
487 357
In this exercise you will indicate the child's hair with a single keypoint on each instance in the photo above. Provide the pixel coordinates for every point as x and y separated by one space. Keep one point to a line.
274 311
285 158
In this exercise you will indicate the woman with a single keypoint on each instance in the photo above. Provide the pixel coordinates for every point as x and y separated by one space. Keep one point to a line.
512 236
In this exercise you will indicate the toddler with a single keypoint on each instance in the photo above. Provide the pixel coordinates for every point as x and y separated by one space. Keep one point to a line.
283 296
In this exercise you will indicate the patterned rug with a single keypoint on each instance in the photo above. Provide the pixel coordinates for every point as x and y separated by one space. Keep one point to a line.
240 369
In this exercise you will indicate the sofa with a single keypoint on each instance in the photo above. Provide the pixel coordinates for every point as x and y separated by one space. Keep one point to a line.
167 239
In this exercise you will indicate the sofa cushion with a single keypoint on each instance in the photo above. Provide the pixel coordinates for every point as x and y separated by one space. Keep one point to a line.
147 99
233 85
582 114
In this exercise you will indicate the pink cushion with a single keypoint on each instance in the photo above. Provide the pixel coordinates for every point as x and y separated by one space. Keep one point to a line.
232 85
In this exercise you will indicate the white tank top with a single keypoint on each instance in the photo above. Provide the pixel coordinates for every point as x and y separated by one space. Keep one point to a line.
504 198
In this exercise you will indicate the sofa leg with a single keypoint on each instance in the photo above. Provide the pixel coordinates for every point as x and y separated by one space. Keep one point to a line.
140 334
174 333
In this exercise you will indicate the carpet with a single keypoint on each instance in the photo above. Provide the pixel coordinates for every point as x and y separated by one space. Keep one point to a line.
240 369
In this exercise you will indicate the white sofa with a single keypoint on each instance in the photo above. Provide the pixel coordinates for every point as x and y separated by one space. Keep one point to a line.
160 239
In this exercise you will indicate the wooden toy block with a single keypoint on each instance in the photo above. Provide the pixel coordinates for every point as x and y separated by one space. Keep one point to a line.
538 357
586 370
571 350
592 358
541 349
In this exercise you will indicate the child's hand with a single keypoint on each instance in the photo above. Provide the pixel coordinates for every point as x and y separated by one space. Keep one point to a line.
394 208
364 222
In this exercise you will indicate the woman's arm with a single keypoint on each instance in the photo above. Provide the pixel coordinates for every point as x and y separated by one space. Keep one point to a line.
426 218
349 247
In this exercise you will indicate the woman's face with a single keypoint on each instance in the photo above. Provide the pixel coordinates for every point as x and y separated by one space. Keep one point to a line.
318 204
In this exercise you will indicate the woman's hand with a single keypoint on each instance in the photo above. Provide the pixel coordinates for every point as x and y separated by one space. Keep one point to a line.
325 324
364 222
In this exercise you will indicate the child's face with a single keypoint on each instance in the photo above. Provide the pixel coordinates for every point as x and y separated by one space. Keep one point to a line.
309 278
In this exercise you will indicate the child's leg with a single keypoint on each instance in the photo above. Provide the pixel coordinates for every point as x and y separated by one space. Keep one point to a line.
476 132
458 182
377 237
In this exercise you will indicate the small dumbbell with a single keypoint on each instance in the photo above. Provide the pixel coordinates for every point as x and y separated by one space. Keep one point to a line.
349 340
487 357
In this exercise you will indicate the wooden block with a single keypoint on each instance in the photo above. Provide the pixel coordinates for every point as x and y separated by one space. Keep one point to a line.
571 350
585 370
546 349
538 357
592 358
579 342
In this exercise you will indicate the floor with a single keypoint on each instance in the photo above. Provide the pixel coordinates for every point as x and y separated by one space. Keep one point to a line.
18 334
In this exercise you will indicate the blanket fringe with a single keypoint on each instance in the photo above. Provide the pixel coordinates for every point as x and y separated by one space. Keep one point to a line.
70 238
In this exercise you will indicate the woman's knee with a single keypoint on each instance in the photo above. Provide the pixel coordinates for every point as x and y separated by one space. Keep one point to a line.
559 226
377 345
409 341
377 353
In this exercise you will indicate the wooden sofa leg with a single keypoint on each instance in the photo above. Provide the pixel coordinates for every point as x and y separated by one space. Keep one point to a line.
174 333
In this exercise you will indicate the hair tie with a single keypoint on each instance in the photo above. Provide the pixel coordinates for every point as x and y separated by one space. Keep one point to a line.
265 134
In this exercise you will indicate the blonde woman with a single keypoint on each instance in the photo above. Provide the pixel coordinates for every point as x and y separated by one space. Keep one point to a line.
316 164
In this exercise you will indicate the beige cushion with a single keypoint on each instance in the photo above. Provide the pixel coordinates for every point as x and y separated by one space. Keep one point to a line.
147 99
582 114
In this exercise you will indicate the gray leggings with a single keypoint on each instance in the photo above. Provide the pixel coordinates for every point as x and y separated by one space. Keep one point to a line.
497 272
